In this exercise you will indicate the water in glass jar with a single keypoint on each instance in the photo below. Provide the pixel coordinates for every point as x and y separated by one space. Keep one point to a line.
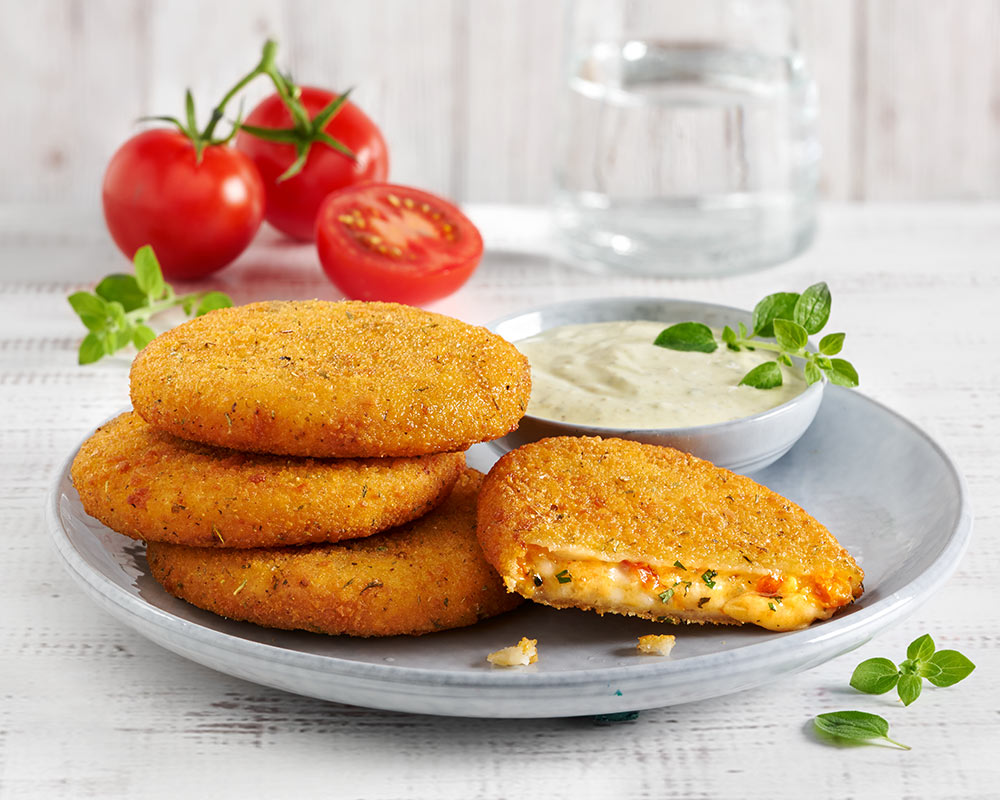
686 160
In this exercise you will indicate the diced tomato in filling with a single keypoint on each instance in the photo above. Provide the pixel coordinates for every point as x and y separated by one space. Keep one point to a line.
646 573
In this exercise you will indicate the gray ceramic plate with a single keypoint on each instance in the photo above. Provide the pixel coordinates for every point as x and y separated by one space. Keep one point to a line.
887 491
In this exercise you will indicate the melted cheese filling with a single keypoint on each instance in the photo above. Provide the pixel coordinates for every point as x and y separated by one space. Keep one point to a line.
778 603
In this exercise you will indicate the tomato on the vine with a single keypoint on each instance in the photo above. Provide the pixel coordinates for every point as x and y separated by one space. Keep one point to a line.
292 202
197 213
379 241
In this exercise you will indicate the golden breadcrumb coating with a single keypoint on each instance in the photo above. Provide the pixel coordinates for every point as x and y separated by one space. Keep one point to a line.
425 576
630 528
150 485
348 379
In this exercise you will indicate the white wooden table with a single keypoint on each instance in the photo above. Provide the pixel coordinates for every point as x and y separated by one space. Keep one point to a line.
90 709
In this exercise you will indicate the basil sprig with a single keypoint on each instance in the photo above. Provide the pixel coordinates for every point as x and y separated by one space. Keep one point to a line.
790 319
940 667
116 312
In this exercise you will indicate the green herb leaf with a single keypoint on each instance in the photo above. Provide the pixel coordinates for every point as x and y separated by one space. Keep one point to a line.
909 688
790 335
812 309
707 576
842 373
831 344
564 576
813 373
679 565
855 726
123 289
921 649
875 676
148 274
91 309
780 304
729 337
763 376
665 596
928 669
687 336
91 349
953 665
142 335
212 301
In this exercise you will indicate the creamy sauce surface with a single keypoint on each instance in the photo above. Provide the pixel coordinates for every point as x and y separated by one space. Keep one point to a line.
610 374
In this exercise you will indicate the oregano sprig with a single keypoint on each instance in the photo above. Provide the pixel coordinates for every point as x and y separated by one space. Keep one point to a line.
790 319
116 312
940 667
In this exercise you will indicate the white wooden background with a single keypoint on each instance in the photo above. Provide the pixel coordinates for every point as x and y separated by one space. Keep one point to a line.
464 89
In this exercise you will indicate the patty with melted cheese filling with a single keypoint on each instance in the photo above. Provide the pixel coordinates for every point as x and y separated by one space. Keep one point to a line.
627 528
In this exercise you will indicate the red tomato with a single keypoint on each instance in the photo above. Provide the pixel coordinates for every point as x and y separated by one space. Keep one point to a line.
292 204
197 216
384 242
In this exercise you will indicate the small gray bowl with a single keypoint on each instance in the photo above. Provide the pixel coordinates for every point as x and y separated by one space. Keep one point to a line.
743 445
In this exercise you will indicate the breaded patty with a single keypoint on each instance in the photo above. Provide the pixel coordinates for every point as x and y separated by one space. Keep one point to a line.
150 485
349 379
427 575
618 526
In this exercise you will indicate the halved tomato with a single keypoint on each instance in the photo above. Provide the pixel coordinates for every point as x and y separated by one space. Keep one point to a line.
380 241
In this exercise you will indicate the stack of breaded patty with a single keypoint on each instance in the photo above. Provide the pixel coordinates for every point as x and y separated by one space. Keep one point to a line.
301 465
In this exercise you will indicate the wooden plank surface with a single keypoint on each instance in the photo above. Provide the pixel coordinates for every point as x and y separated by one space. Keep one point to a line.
89 709
466 92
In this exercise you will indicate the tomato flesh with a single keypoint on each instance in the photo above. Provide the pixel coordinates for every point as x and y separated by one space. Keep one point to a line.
381 241
197 215
292 204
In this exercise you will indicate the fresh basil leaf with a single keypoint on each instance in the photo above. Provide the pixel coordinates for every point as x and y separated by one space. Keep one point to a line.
729 337
954 667
812 309
147 272
212 301
831 344
780 304
91 349
91 309
116 311
743 330
909 687
842 373
813 373
855 726
688 336
123 288
875 676
823 363
763 376
785 359
790 335
928 669
142 335
921 649
122 338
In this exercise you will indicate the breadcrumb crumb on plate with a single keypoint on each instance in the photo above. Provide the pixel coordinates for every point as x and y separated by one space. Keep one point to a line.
656 644
522 654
